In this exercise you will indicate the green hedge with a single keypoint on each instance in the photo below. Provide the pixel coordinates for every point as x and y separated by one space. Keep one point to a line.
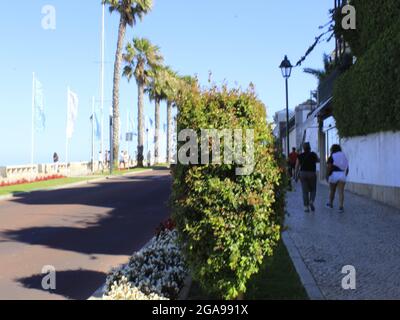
373 19
367 97
227 223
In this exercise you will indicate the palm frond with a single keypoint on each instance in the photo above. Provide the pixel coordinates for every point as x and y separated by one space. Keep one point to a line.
130 10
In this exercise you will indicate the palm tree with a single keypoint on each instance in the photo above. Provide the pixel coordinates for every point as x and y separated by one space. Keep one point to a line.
157 90
140 58
173 87
130 11
329 66
171 91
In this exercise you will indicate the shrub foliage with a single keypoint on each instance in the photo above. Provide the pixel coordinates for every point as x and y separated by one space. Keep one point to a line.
227 223
367 97
373 19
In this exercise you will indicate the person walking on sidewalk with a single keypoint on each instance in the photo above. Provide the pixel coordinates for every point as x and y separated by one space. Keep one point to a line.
338 170
306 170
292 162
56 159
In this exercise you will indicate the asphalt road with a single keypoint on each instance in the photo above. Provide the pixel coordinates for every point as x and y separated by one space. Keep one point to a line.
83 232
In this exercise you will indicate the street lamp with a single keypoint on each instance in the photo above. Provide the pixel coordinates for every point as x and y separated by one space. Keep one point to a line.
286 68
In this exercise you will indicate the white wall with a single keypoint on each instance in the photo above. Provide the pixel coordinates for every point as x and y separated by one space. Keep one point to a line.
312 134
374 159
293 140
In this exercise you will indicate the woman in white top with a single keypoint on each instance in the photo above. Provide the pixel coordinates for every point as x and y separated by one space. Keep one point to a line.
338 170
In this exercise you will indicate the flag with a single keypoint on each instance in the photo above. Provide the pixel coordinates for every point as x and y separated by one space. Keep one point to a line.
129 137
72 113
97 130
151 122
96 123
38 107
121 135
131 123
98 116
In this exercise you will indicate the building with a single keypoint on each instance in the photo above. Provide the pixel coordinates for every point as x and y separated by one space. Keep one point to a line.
298 126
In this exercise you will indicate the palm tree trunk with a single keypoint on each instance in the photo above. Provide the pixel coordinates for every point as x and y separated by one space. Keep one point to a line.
117 78
140 155
169 138
157 131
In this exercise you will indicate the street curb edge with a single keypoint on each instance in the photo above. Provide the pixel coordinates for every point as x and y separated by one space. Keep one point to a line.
308 281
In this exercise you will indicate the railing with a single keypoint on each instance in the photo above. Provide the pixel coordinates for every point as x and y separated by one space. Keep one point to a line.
32 172
74 169
19 172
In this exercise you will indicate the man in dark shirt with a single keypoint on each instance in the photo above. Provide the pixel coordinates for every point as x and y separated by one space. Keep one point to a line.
306 167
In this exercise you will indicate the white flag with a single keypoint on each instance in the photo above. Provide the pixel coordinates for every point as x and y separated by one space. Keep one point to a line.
73 103
39 116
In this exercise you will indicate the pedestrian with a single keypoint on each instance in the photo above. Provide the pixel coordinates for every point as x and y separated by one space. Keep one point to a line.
107 158
126 160
101 161
338 170
56 159
306 170
292 162
121 161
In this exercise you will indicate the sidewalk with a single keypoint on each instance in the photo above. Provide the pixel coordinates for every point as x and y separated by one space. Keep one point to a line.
366 236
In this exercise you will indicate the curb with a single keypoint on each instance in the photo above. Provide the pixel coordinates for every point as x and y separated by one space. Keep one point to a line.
184 294
98 295
72 185
307 279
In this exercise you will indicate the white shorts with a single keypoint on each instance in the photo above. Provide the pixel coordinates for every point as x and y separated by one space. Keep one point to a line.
337 176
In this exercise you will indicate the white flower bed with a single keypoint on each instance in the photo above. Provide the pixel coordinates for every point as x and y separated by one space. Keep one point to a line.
157 272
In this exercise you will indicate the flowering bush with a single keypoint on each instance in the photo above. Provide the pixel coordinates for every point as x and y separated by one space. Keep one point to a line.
157 272
227 223
25 181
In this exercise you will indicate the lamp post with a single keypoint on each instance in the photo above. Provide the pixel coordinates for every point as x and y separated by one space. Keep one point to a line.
286 68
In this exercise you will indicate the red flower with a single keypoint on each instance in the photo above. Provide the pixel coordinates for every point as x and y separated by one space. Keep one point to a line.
167 225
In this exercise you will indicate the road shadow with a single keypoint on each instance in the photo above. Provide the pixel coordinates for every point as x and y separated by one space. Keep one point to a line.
131 208
66 283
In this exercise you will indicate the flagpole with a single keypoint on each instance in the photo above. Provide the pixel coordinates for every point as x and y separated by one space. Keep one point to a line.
93 102
102 78
127 130
66 142
33 120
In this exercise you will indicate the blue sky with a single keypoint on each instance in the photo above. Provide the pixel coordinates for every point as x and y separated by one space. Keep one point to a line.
240 42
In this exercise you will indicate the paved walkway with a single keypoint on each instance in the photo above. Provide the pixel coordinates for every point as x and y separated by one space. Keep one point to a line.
366 236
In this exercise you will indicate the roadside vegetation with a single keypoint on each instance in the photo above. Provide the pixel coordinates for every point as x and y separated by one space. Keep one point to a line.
43 185
277 280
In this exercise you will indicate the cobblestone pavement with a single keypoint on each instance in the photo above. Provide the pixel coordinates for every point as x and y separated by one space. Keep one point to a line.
366 236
